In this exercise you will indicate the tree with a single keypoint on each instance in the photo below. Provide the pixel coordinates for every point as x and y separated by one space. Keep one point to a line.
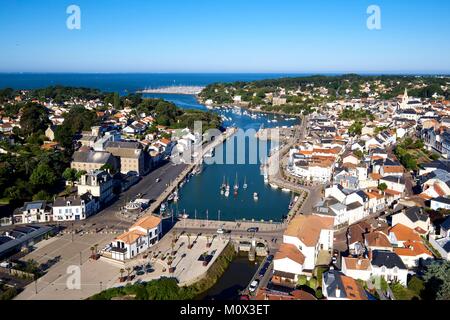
108 167
416 285
42 176
302 281
34 118
437 281
382 187
42 195
70 175
116 101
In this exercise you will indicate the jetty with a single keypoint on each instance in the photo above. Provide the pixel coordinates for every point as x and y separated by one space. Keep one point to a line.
185 90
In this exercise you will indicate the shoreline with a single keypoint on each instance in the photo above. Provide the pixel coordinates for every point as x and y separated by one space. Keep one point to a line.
215 106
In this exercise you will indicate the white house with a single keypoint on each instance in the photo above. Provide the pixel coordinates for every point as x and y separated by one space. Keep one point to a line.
99 183
440 203
142 235
389 266
74 208
33 212
304 239
357 268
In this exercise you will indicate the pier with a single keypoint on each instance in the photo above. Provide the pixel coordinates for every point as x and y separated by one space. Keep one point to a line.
186 90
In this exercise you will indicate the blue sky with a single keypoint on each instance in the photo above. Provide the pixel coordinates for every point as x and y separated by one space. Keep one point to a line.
225 36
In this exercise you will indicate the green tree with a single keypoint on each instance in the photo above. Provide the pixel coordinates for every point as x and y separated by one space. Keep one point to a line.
42 195
437 281
70 175
34 118
42 177
382 187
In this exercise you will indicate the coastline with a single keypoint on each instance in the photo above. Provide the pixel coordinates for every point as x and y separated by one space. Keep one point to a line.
215 106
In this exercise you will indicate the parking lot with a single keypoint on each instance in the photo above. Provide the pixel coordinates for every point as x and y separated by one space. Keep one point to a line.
61 253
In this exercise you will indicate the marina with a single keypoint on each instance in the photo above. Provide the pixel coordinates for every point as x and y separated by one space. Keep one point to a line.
237 191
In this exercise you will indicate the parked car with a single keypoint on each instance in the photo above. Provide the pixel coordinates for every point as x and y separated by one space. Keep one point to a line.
253 286
158 180
253 229
220 231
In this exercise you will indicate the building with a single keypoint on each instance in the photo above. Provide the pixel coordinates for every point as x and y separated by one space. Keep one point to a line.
91 160
50 133
408 245
308 241
440 203
33 212
441 241
130 154
13 241
99 183
74 208
336 286
413 218
389 266
145 233
357 268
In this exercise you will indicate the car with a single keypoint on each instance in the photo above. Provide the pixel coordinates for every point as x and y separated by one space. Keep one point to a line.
158 180
262 272
253 229
220 231
140 273
253 286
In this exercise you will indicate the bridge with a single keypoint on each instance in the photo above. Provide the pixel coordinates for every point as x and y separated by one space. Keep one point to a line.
270 233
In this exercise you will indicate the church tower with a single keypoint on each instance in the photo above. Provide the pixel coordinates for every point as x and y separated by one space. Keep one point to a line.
405 100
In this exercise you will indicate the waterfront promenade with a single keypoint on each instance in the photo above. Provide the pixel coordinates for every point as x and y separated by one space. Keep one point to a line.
278 175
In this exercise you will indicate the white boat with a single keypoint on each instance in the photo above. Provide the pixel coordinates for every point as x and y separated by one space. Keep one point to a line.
245 186
274 186
227 193
285 190
210 153
255 196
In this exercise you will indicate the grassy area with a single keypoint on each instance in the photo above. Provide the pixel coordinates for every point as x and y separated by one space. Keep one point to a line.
167 288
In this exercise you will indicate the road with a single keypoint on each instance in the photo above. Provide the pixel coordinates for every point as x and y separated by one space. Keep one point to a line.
147 186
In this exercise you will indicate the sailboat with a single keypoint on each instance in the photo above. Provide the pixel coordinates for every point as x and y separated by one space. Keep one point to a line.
227 190
236 186
245 186
223 186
